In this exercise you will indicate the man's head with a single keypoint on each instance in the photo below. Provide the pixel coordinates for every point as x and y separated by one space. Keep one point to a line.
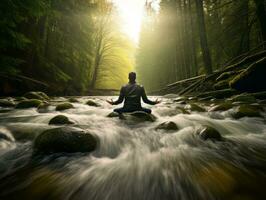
132 77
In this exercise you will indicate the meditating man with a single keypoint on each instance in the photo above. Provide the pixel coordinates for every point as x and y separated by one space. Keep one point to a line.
132 93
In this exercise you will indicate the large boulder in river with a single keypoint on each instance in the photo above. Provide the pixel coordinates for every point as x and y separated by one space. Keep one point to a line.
64 106
60 119
138 116
92 103
36 95
73 100
64 139
6 103
169 125
210 133
246 111
31 103
252 79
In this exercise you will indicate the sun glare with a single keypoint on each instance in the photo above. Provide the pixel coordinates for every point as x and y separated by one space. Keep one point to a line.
132 13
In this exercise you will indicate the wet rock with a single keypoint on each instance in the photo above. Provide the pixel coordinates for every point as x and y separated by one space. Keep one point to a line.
92 103
43 108
36 95
244 98
195 107
113 114
210 133
169 125
138 116
252 79
31 103
6 103
246 111
182 110
73 100
60 119
64 106
64 139
7 137
222 107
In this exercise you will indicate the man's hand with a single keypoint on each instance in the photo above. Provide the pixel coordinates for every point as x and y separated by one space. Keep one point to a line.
157 101
110 101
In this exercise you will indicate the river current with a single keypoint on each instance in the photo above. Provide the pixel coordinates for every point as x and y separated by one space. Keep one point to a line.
134 161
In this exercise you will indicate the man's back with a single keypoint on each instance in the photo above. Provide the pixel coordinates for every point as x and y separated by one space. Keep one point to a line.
132 94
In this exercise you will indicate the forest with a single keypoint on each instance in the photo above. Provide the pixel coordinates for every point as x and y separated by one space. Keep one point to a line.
72 47
132 99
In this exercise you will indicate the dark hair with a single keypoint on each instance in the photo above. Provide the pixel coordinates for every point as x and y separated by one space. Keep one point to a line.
132 77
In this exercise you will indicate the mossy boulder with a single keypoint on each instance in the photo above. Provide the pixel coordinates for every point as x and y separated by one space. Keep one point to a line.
6 103
43 108
60 119
92 103
222 107
244 98
195 107
246 111
209 133
31 103
138 116
36 95
73 100
113 114
64 139
169 125
252 79
64 106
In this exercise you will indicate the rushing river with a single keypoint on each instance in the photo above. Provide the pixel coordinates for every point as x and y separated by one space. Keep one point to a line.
135 161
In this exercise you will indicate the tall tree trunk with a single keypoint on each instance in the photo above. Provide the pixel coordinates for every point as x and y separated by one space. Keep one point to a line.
203 37
260 9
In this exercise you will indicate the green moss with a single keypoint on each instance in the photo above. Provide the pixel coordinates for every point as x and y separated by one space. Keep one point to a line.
31 103
36 95
6 103
60 119
244 98
169 125
92 103
64 106
246 111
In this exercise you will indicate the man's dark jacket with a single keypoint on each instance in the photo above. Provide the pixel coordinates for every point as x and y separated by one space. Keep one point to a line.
132 93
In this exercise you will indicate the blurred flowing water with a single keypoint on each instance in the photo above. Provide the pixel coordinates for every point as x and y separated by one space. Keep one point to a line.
134 161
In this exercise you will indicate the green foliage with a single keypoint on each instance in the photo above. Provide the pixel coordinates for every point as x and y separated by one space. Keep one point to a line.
53 41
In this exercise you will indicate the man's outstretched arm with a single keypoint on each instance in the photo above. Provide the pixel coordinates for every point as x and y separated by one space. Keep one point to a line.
120 98
146 100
